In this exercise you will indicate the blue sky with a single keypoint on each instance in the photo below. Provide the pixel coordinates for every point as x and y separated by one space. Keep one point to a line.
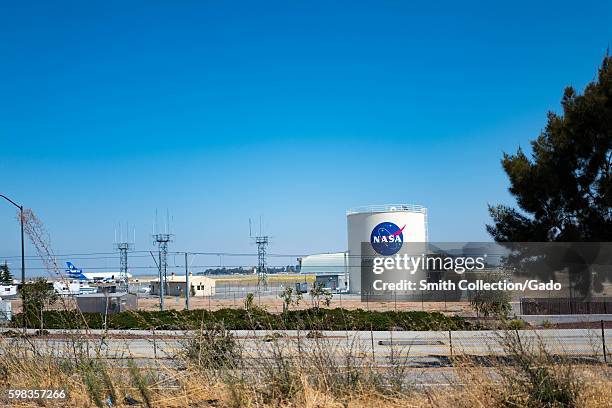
221 111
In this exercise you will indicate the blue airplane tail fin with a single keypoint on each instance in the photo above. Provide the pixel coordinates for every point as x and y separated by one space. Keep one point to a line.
73 272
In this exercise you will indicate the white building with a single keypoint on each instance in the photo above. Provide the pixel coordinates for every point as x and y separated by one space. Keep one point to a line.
8 291
73 288
175 285
330 270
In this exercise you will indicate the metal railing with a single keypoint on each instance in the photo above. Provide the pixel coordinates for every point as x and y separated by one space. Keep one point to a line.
387 208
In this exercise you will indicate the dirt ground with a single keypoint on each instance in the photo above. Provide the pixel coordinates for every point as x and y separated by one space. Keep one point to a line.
275 304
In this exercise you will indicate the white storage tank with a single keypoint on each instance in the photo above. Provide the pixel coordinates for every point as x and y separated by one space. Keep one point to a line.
385 228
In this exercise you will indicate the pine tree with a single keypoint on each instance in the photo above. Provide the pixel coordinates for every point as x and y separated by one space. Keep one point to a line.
564 191
6 278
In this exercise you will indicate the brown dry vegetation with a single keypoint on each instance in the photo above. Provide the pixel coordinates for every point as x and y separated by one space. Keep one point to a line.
171 388
210 371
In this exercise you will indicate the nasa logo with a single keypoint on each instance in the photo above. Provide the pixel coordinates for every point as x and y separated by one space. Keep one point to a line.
387 238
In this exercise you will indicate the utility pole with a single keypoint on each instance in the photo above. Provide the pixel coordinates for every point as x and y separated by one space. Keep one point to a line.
187 286
23 281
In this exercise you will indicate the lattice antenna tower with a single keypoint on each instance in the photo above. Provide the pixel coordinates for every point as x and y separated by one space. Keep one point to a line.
262 242
161 239
123 245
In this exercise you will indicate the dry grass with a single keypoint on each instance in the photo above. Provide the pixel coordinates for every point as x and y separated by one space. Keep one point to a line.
212 373
188 388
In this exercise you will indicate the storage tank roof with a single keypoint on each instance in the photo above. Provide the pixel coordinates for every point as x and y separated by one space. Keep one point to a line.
368 209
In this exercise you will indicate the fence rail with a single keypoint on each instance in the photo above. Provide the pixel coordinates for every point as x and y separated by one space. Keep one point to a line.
565 306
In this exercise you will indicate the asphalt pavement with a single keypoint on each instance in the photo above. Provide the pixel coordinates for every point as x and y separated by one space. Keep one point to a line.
381 344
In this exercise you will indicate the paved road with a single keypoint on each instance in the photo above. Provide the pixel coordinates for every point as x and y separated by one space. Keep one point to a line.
424 347
425 355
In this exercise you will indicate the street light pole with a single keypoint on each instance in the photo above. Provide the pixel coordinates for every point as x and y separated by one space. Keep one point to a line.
22 255
22 247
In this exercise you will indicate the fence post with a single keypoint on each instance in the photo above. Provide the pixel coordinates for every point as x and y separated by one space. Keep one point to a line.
445 301
395 299
392 351
298 341
603 342
372 338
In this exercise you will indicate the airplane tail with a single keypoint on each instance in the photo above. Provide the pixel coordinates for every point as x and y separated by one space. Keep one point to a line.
73 272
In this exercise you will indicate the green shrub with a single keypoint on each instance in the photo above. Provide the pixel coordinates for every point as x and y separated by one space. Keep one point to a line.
240 319
515 324
213 346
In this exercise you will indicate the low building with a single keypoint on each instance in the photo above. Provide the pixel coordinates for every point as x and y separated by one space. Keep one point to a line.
8 291
107 303
333 282
73 288
176 285
330 270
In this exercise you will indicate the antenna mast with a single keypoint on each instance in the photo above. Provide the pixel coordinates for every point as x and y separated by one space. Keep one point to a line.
162 244
123 246
262 244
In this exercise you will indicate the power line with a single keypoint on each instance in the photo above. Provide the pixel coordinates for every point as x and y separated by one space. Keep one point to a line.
145 254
